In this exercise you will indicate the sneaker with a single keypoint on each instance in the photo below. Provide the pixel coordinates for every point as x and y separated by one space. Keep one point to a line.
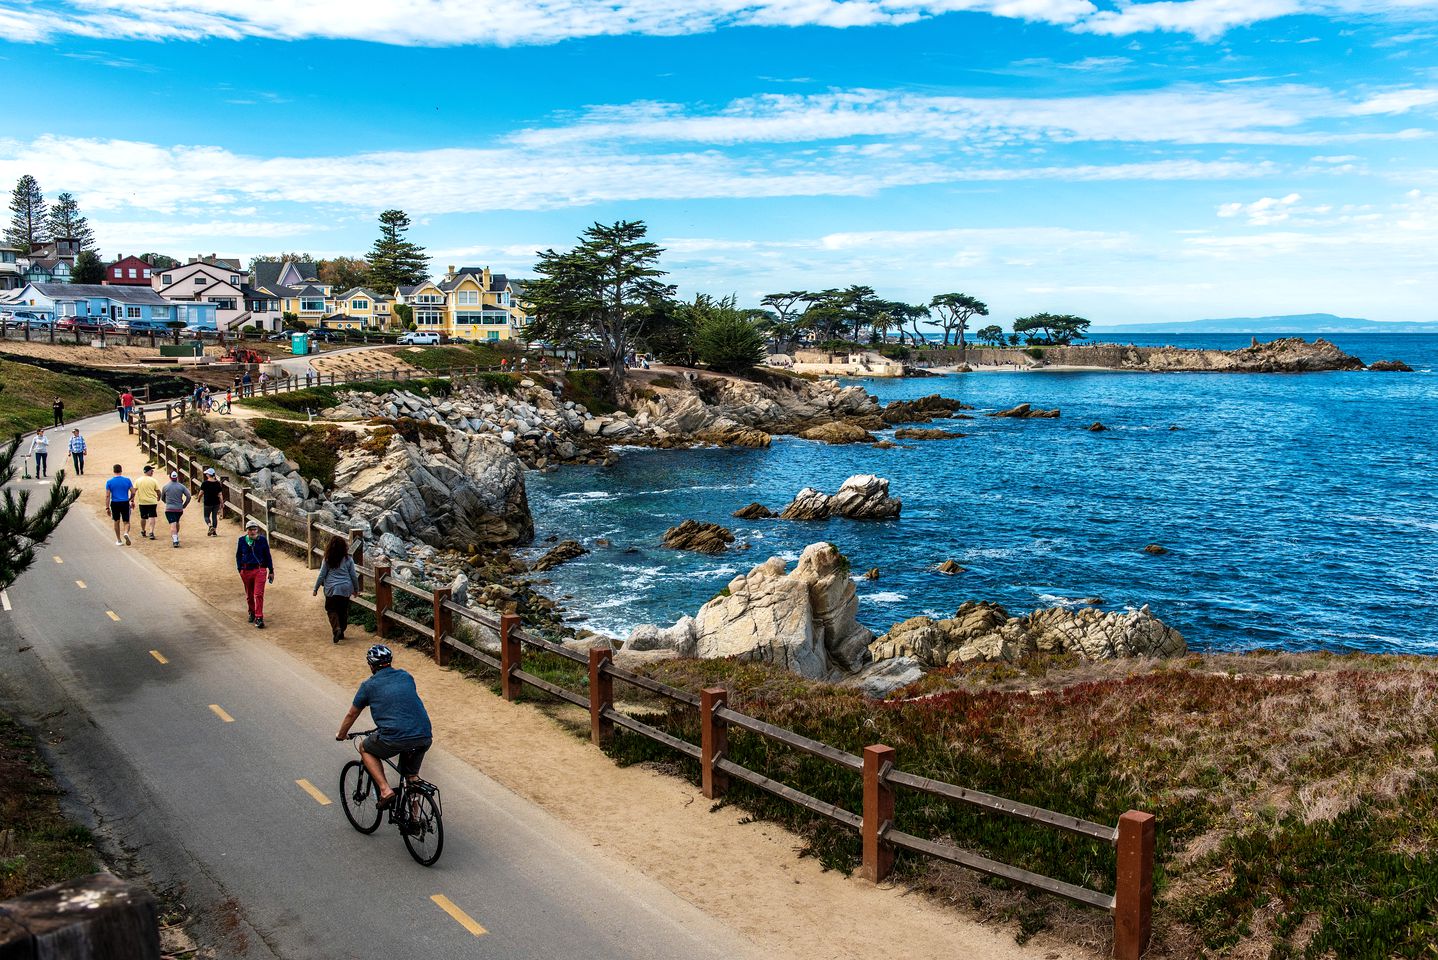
259 623
152 536
127 540
175 544
252 618
119 543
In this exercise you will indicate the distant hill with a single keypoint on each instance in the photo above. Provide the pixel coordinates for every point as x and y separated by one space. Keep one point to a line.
1298 323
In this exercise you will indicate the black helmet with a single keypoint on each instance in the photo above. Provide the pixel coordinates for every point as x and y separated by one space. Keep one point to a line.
378 655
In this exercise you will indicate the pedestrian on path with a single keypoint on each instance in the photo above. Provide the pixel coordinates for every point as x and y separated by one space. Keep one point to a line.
341 581
127 405
119 495
247 386
177 498
257 567
77 451
212 500
58 409
40 450
147 498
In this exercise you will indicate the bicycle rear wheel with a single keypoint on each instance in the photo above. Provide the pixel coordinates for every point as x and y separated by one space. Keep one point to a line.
423 828
360 797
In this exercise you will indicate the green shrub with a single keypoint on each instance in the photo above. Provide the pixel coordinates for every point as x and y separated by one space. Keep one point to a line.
727 341
315 449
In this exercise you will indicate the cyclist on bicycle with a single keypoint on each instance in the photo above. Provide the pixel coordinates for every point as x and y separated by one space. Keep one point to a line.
401 722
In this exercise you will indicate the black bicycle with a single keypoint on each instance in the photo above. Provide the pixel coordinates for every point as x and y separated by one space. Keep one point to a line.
415 810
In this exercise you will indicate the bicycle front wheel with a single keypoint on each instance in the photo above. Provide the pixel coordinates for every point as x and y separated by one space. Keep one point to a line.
360 797
423 828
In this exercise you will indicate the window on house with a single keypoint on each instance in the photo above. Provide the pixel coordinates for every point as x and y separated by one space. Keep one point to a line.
201 280
427 318
359 304
222 303
118 273
495 317
312 305
468 298
132 312
166 280
504 298
234 280
133 273
145 274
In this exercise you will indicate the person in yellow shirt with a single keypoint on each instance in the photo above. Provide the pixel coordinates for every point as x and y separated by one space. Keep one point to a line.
147 498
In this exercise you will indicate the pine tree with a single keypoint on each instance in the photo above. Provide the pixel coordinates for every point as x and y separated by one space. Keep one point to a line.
395 261
28 216
22 530
65 220
88 268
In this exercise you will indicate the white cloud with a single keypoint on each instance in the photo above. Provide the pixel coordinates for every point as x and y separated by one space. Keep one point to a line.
1262 212
1209 19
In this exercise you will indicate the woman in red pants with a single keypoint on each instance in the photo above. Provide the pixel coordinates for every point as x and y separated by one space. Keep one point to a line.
257 567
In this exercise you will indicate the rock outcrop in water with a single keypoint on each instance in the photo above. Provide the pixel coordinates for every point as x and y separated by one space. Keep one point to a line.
1025 411
861 497
926 433
755 511
1285 355
922 410
698 536
982 631
1390 366
804 620
838 432
560 553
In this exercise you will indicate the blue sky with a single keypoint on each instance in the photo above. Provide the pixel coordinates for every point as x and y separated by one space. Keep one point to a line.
1140 162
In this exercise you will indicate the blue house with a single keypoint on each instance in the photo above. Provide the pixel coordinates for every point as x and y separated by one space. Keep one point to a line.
141 308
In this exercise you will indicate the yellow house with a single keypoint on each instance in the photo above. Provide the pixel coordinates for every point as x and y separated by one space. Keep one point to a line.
359 308
471 302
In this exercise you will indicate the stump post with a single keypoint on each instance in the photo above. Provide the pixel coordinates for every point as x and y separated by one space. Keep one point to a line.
713 742
383 597
1133 891
510 656
443 624
878 813
601 696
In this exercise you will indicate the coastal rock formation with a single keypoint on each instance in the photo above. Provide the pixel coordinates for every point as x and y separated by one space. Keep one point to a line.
698 536
921 433
985 632
1096 427
861 497
561 553
804 620
465 492
755 511
735 436
1390 366
1285 355
922 410
838 433
949 567
883 677
1157 549
1026 412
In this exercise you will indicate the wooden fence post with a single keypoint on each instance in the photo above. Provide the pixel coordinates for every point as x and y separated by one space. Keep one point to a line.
511 658
1133 891
270 517
309 539
443 623
601 696
383 597
713 742
878 813
356 547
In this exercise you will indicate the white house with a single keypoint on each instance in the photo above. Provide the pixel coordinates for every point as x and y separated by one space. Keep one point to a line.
201 281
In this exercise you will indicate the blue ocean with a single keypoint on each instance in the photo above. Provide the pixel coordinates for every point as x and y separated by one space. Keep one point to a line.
1299 511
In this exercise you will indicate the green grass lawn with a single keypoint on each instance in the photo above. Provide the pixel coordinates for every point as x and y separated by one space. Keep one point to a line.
26 393
294 404
442 358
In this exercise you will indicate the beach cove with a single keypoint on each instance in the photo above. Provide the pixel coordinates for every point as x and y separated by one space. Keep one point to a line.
1320 482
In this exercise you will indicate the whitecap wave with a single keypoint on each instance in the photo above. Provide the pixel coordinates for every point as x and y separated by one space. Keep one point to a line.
885 596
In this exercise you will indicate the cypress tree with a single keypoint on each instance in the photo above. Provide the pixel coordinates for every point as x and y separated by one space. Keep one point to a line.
395 261
28 216
66 220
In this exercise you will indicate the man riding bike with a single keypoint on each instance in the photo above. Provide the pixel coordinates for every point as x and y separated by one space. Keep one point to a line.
401 722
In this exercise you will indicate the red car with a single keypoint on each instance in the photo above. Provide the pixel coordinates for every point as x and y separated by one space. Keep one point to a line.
91 324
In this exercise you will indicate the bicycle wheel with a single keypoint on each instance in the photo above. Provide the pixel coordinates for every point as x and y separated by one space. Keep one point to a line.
360 797
423 828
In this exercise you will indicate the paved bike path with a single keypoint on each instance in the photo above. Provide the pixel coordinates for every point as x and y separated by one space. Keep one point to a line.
216 802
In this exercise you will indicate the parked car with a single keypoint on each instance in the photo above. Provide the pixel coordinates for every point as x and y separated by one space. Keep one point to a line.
417 338
22 317
91 325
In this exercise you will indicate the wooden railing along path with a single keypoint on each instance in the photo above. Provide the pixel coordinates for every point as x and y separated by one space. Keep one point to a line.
1130 905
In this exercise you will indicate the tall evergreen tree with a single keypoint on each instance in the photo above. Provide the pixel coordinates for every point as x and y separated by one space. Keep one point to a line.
22 530
88 268
66 220
395 261
28 227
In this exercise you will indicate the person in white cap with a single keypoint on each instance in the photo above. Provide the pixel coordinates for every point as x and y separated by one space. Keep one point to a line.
212 500
147 498
256 567
177 498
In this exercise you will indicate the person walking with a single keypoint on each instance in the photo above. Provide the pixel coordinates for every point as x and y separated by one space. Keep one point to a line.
58 409
77 451
212 500
40 450
340 580
256 567
246 385
119 495
127 405
147 498
177 498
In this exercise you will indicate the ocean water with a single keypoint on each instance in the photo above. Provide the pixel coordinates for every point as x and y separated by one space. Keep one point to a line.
1300 511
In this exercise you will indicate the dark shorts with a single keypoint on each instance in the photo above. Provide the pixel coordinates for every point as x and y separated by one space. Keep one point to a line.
411 752
338 605
148 510
173 516
120 510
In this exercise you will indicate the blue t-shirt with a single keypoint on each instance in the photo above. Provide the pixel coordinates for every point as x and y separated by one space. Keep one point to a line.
393 702
119 488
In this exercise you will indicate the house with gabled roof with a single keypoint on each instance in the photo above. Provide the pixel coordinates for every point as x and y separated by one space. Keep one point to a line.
207 281
480 304
130 272
360 308
139 307
289 273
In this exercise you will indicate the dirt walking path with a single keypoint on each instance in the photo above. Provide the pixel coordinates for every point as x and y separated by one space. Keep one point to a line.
747 875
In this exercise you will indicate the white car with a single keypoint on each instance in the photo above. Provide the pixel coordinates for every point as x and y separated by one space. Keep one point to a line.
419 339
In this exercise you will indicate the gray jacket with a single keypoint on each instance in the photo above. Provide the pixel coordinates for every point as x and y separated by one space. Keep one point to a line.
342 581
176 495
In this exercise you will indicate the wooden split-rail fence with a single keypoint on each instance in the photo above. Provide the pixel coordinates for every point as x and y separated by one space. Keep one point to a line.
1130 905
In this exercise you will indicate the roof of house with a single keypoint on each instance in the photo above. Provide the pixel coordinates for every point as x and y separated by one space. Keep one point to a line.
409 291
84 291
255 293
130 259
48 263
268 274
363 291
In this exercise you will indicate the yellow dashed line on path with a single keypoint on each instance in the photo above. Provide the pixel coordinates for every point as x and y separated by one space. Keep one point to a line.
58 560
80 584
459 916
159 656
314 791
112 615
219 711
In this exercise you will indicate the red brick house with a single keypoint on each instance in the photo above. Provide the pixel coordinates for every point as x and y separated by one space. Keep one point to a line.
128 271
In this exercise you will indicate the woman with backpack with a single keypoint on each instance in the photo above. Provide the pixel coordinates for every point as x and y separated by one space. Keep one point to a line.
340 580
